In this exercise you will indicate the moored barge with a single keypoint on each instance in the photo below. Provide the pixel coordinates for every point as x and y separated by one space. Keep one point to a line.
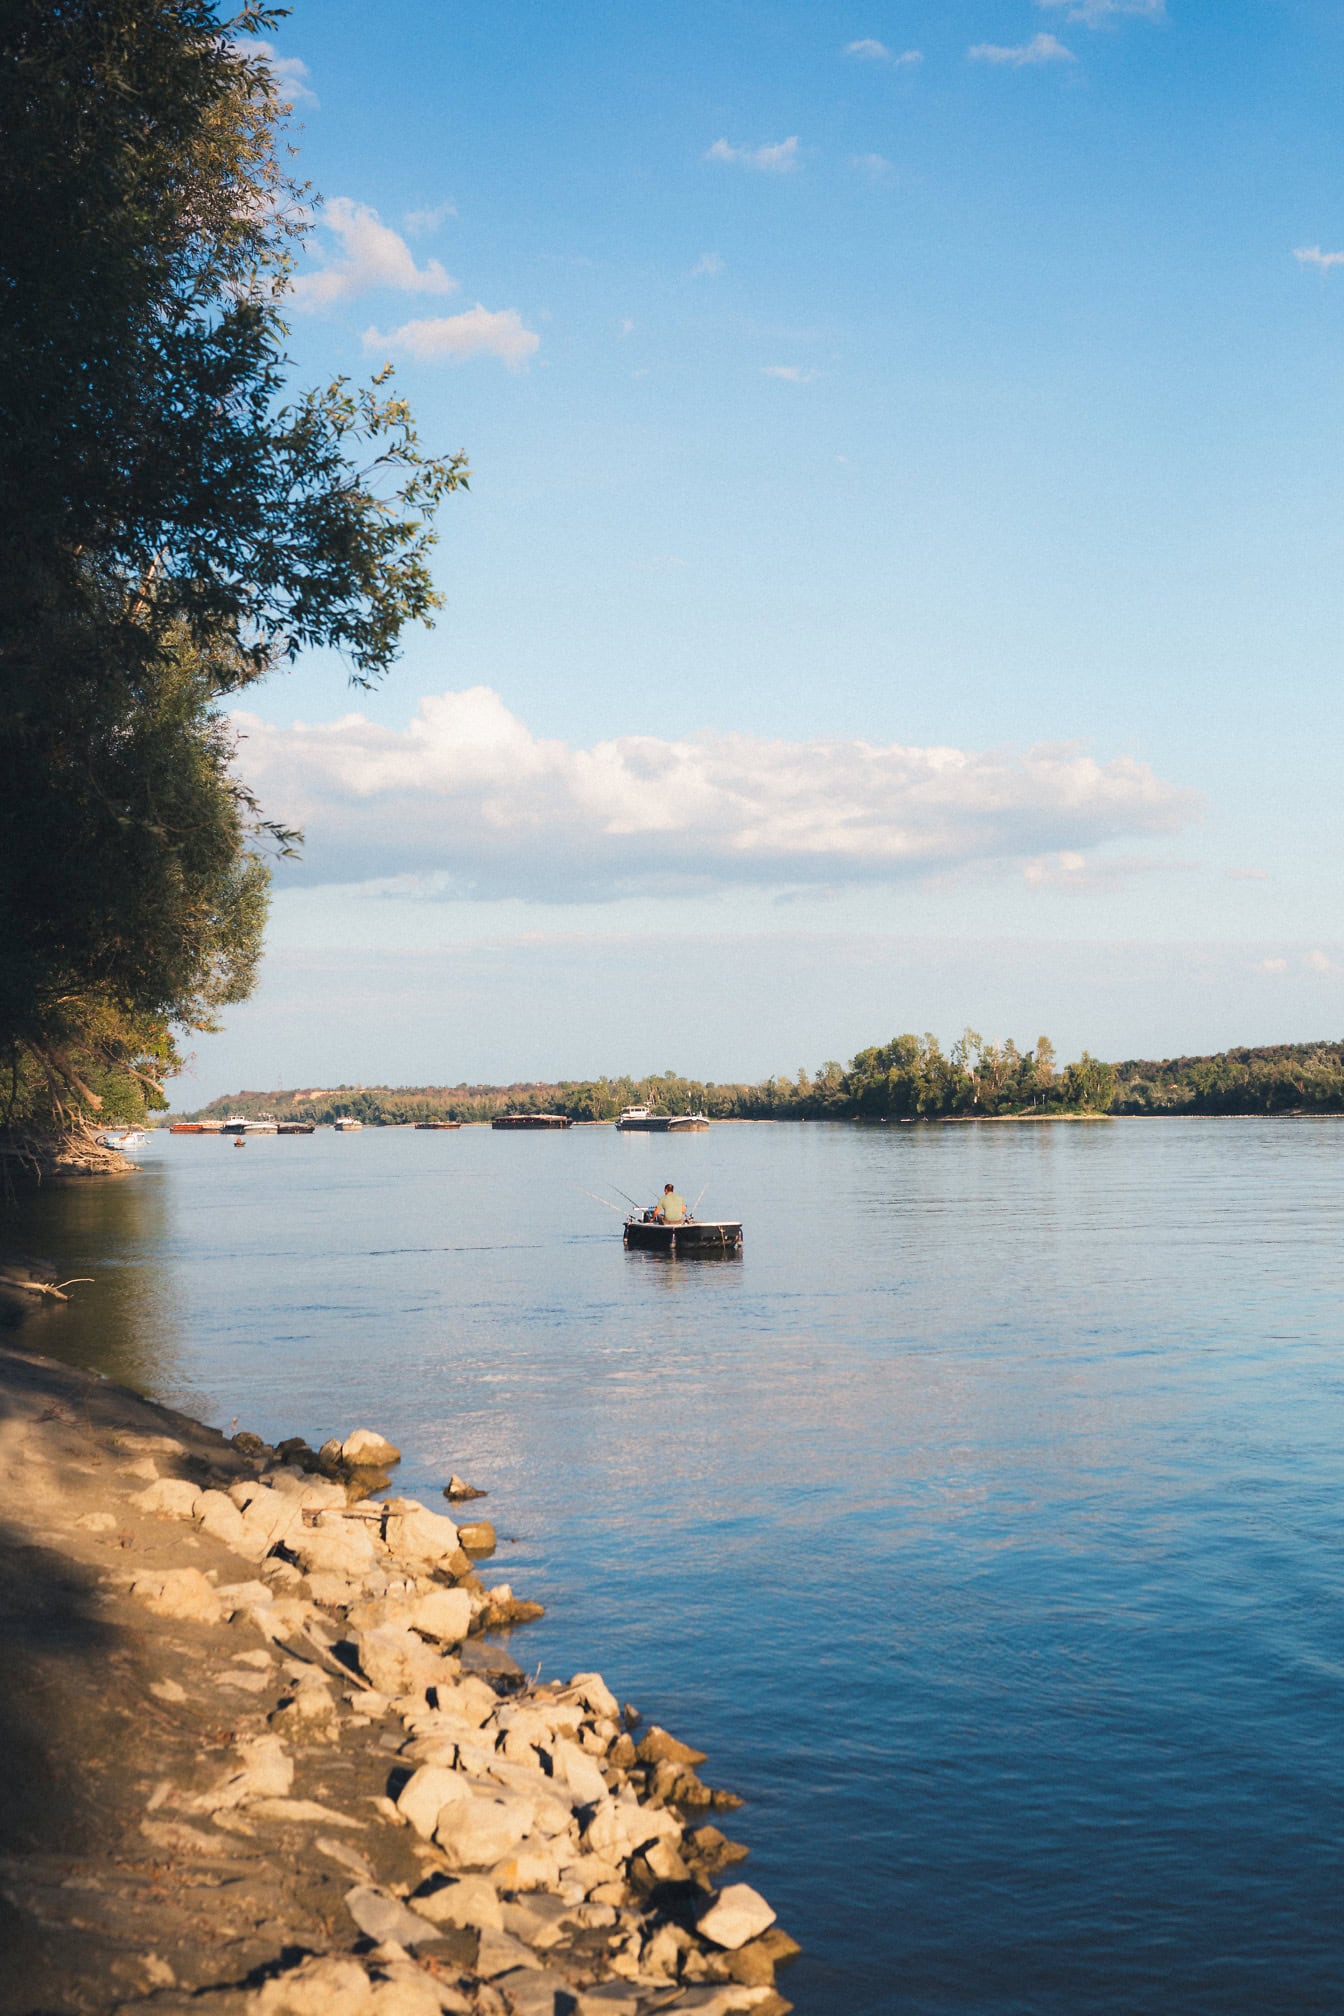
507 1120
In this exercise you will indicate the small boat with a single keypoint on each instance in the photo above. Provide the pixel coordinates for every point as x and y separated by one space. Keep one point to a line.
698 1238
436 1126
120 1137
643 1120
294 1127
531 1120
345 1125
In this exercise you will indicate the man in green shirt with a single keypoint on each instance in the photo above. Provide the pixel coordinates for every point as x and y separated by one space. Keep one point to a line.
672 1208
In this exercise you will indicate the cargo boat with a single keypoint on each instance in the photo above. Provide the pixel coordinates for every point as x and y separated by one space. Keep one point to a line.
504 1120
643 1120
436 1126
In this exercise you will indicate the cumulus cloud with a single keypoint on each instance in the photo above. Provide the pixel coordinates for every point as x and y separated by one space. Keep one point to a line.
1271 966
469 794
779 159
452 339
868 50
707 266
420 223
291 76
371 255
1312 255
1040 49
792 374
1319 962
873 167
1091 13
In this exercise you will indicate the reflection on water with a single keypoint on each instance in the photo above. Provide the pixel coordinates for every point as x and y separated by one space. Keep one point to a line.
983 1521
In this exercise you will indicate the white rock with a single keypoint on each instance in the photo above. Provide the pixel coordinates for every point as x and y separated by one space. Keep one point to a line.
593 1691
369 1449
471 1900
616 1830
178 1592
405 1991
476 1833
533 1865
216 1514
332 1547
415 1535
444 1614
265 1770
500 1953
576 1769
381 1917
394 1661
246 1597
170 1497
317 1987
737 1914
425 1794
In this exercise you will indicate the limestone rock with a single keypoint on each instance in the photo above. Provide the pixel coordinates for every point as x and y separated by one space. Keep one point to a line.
381 1917
368 1450
477 1536
501 1953
415 1535
658 1747
736 1915
444 1614
179 1592
170 1497
425 1794
593 1691
471 1900
216 1514
576 1769
458 1490
479 1832
332 1547
317 1987
616 1830
394 1661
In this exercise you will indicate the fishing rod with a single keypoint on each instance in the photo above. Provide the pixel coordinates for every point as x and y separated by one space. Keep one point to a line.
601 1200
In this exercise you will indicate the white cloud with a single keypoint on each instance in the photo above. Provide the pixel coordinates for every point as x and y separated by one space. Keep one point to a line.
1312 255
707 265
477 332
1271 966
291 76
421 223
1319 962
469 793
372 255
868 50
792 374
1093 12
1040 49
875 167
1247 874
627 326
779 159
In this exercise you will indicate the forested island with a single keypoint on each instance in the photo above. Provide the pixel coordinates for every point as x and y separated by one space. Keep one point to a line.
910 1078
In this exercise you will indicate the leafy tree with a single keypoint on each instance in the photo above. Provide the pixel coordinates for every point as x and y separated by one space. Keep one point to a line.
172 527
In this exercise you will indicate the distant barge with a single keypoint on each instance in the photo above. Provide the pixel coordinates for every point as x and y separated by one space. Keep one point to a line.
436 1126
702 1239
531 1120
642 1120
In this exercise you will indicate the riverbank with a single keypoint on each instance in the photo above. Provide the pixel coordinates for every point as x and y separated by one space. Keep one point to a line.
260 1762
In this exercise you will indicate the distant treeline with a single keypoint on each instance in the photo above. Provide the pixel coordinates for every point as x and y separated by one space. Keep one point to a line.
911 1078
1279 1078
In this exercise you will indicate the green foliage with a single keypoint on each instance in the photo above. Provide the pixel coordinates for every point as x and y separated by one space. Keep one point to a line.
1279 1078
171 528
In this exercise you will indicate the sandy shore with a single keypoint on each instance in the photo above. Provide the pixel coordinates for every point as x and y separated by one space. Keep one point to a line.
258 1758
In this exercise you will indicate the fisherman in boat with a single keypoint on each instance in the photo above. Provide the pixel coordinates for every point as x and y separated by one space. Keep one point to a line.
671 1208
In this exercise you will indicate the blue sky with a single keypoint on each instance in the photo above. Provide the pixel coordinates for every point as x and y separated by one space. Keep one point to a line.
901 578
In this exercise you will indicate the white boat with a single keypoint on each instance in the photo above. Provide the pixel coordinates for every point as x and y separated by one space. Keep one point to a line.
643 1120
347 1126
121 1137
250 1127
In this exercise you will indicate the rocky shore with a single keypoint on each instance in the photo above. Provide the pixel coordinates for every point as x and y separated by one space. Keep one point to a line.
258 1759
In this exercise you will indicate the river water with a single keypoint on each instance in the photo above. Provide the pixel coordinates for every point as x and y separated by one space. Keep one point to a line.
984 1521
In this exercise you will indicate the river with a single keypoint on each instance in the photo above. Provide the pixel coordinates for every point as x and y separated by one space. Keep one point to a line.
983 1521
